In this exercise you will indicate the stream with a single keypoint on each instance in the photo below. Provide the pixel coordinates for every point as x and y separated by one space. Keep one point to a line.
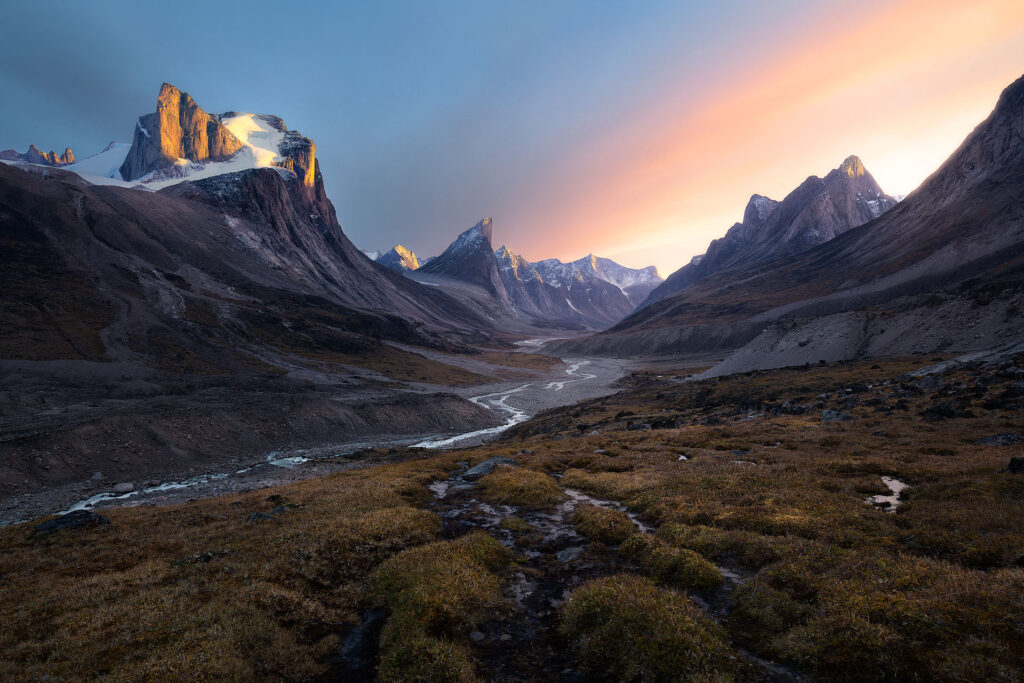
519 403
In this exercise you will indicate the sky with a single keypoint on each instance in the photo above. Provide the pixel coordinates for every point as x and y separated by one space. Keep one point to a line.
631 130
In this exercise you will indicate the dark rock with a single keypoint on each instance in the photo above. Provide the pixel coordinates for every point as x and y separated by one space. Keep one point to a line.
834 416
664 423
1005 439
929 383
569 554
788 408
943 411
638 427
201 558
257 517
79 519
1016 465
488 466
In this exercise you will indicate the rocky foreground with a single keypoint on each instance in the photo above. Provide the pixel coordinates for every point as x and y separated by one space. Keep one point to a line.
853 521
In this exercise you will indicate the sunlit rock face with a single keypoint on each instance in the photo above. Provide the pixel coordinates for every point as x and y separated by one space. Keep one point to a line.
298 155
179 129
180 140
399 259
34 155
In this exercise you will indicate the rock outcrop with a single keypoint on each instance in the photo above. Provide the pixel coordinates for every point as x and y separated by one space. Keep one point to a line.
34 155
178 130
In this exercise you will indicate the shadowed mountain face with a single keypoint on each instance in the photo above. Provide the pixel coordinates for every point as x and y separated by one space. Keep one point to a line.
470 258
233 271
592 292
953 250
815 212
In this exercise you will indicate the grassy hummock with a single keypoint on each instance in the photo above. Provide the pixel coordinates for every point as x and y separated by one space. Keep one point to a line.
602 524
674 566
624 628
520 486
436 593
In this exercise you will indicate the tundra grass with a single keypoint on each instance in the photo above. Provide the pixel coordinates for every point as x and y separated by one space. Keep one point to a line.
831 586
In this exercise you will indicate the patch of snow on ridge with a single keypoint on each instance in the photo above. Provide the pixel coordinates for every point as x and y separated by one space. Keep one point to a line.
263 140
106 164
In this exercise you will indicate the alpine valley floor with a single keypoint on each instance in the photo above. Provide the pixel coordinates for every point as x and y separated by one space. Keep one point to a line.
855 521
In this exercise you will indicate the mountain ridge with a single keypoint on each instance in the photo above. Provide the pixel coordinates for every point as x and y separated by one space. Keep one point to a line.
814 212
881 286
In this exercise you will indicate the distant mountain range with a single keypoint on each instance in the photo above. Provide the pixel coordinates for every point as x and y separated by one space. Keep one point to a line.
592 291
941 271
34 155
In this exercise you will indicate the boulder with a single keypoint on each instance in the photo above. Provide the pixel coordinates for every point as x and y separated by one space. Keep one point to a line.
488 466
124 487
1005 439
834 416
1016 465
79 519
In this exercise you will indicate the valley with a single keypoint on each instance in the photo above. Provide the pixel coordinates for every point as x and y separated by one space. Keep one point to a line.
236 446
343 426
525 558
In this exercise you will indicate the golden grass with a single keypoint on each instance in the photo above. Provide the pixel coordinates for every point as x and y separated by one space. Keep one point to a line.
838 589
602 524
519 486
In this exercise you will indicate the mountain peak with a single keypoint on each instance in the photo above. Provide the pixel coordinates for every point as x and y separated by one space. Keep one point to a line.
399 259
484 228
852 166
179 130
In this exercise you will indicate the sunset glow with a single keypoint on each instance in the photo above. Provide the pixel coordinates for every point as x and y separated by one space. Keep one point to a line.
900 87
635 131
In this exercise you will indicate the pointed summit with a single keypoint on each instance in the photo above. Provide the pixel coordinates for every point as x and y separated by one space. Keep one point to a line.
399 259
818 210
852 166
471 258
